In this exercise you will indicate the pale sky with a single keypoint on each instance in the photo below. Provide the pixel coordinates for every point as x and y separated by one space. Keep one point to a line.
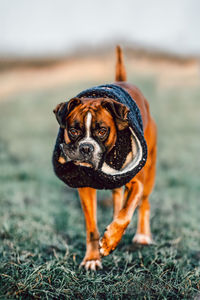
56 27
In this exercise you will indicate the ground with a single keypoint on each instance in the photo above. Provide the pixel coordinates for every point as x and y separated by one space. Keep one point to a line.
42 235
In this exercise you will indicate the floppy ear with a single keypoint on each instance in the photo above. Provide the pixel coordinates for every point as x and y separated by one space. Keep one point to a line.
118 110
63 109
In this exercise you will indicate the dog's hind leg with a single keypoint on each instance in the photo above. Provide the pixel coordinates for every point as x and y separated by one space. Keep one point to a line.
143 234
118 197
92 260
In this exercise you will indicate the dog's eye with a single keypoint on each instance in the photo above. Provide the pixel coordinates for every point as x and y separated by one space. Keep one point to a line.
102 132
74 132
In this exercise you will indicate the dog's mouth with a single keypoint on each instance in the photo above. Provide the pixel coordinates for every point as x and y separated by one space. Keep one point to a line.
83 163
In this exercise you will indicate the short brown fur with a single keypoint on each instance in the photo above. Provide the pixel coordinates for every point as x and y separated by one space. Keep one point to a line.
137 191
98 114
120 68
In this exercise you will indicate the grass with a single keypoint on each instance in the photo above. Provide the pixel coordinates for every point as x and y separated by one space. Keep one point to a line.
42 235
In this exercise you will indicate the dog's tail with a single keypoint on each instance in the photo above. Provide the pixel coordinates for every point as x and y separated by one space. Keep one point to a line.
120 68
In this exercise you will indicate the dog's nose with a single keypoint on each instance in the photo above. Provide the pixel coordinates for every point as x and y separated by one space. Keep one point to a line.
86 149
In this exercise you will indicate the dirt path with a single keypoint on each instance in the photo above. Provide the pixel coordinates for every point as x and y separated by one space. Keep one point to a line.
168 73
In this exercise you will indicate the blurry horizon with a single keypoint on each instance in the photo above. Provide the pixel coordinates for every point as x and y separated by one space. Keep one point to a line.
52 28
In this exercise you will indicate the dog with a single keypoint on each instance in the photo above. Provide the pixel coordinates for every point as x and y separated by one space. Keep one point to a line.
90 127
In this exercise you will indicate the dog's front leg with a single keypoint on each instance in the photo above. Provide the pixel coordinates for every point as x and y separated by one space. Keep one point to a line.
115 230
92 258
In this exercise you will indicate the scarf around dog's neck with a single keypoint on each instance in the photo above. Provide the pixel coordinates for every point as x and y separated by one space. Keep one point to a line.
112 173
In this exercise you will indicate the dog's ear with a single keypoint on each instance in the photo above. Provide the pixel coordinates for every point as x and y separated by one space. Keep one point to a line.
63 109
118 110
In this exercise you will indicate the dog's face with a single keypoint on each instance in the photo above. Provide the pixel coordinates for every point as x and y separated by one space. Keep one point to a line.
90 128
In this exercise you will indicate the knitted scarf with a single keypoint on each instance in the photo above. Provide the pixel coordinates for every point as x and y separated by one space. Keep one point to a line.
117 169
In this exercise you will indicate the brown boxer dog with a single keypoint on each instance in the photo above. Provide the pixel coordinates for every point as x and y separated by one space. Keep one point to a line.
90 128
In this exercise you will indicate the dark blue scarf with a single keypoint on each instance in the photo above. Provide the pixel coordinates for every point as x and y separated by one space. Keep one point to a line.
79 176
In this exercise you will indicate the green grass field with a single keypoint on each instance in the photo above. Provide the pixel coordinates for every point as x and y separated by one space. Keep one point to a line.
42 231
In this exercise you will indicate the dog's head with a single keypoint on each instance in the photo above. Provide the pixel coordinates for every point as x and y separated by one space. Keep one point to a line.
90 128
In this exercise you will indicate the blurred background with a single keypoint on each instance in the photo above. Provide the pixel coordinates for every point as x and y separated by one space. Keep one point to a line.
64 38
49 52
57 28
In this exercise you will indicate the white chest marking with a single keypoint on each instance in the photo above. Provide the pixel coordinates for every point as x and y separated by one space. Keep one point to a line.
88 123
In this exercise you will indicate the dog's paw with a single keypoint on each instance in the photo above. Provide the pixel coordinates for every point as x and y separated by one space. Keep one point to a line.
143 239
111 238
91 265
